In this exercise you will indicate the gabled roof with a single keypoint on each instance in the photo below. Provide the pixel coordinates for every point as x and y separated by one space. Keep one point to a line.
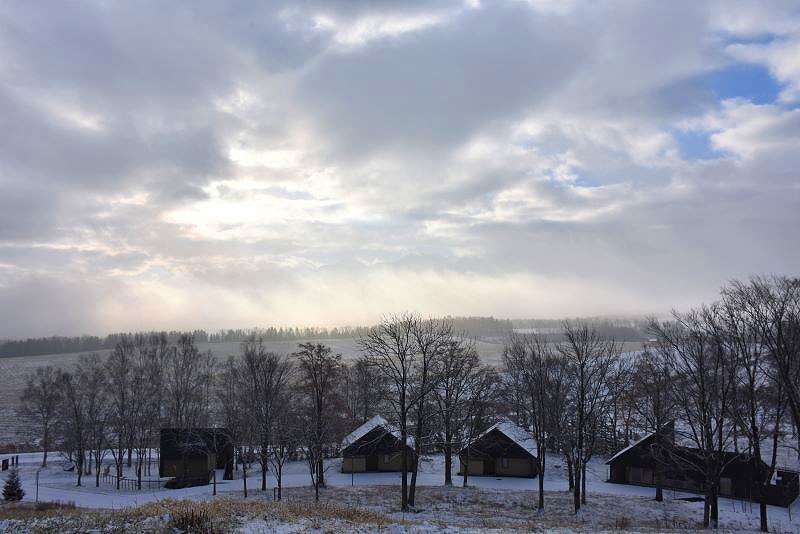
373 423
515 433
786 456
631 446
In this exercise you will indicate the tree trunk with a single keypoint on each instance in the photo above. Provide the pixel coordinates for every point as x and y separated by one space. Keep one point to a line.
583 484
659 481
244 477
79 468
576 492
762 508
715 508
321 470
466 467
448 461
412 489
264 466
541 462
570 474
44 458
403 464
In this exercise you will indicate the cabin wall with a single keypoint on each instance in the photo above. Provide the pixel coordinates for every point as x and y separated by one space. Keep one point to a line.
514 467
391 461
355 464
476 466
190 466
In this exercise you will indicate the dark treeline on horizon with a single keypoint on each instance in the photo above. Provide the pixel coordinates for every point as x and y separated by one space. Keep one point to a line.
475 327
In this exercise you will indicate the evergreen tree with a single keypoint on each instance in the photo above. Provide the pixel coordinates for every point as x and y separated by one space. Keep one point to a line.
13 491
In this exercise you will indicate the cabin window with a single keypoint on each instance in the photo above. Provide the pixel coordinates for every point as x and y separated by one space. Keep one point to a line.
387 458
504 462
725 486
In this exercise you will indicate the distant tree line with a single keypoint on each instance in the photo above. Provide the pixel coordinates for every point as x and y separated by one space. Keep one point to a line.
633 329
476 327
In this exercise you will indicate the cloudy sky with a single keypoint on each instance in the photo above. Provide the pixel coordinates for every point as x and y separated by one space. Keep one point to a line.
234 164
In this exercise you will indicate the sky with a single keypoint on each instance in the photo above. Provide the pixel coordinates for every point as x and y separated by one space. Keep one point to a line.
233 164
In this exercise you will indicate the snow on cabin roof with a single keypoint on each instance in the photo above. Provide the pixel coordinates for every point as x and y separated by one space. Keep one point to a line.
515 433
786 457
629 447
375 422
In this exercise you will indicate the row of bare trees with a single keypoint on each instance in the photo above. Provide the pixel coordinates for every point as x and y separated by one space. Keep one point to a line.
563 393
433 386
118 404
728 373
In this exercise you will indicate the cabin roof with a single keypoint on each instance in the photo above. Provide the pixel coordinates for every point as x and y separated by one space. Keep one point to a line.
786 454
373 423
515 433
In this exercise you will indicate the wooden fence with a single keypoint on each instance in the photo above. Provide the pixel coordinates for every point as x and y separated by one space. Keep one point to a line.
132 484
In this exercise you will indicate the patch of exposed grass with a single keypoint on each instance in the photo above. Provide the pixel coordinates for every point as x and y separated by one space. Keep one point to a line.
28 510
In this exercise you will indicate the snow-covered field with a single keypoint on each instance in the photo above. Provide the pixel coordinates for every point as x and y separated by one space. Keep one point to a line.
489 503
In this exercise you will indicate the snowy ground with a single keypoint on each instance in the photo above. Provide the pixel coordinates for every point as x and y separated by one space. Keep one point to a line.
490 502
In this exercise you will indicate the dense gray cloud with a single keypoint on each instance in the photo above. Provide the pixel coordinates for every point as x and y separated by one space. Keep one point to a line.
249 163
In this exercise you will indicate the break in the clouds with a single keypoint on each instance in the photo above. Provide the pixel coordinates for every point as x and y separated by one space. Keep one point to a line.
175 165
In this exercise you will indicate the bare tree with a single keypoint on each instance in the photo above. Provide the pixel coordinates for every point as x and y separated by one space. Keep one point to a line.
773 309
622 409
539 377
654 402
40 401
704 382
287 436
74 426
119 371
320 371
456 376
233 404
590 356
759 390
267 376
364 389
91 374
188 377
390 348
432 339
479 406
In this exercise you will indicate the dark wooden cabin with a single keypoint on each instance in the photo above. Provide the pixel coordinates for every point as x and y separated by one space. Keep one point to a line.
504 449
188 455
373 447
638 464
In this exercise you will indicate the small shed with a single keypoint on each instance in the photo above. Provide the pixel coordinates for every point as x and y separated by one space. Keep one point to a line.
504 449
189 455
375 446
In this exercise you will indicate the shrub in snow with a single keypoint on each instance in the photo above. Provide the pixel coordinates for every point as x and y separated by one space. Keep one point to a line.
13 491
196 521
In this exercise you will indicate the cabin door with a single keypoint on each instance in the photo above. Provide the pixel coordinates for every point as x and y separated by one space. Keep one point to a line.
372 462
489 466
